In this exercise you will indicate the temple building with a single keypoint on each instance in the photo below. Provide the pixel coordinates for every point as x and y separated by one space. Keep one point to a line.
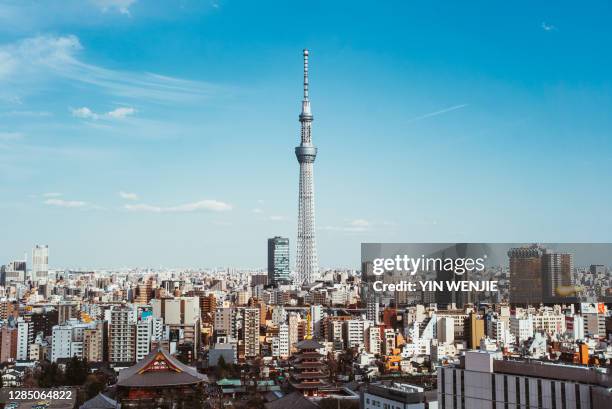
310 374
160 381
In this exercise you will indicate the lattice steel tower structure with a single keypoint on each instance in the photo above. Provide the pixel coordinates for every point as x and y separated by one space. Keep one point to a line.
307 263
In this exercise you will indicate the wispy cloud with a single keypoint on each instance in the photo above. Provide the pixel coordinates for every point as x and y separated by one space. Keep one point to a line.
357 225
548 27
257 210
51 194
277 218
128 195
360 226
47 57
206 205
118 113
65 203
436 113
121 6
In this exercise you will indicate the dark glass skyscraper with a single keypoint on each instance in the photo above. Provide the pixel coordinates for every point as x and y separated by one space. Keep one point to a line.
278 261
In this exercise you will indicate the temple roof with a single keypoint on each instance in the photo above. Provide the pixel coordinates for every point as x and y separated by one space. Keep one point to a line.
294 400
309 344
99 401
159 368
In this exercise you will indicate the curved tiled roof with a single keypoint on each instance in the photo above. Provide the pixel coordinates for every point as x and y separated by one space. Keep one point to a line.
142 375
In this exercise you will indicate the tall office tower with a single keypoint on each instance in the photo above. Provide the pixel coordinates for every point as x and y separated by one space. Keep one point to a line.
122 334
307 264
556 273
251 332
526 275
40 263
278 261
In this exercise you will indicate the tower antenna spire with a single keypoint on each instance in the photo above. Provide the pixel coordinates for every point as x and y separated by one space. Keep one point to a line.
305 74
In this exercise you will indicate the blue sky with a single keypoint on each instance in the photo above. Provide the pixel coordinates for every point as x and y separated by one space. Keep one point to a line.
138 133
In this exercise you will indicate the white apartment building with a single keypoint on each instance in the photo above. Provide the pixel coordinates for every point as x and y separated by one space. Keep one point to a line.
283 338
354 331
25 337
521 328
372 340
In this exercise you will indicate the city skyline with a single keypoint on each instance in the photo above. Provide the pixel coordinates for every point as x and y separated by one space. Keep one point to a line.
123 128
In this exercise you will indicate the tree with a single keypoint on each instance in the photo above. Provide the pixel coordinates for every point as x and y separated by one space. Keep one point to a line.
76 371
50 375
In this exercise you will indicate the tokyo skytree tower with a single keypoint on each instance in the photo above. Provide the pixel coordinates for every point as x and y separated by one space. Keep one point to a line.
307 263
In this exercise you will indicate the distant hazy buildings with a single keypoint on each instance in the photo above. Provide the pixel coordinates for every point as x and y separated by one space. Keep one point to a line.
278 261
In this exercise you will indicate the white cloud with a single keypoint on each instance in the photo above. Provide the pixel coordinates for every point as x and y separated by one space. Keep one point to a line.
360 223
27 63
65 203
209 205
276 218
128 195
121 112
257 210
122 6
548 27
52 194
118 113
84 113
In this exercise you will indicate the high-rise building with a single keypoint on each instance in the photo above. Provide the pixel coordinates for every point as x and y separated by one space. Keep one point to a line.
40 263
307 263
251 332
283 340
526 275
93 344
474 330
144 333
278 261
556 274
25 336
373 308
181 315
8 344
122 334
